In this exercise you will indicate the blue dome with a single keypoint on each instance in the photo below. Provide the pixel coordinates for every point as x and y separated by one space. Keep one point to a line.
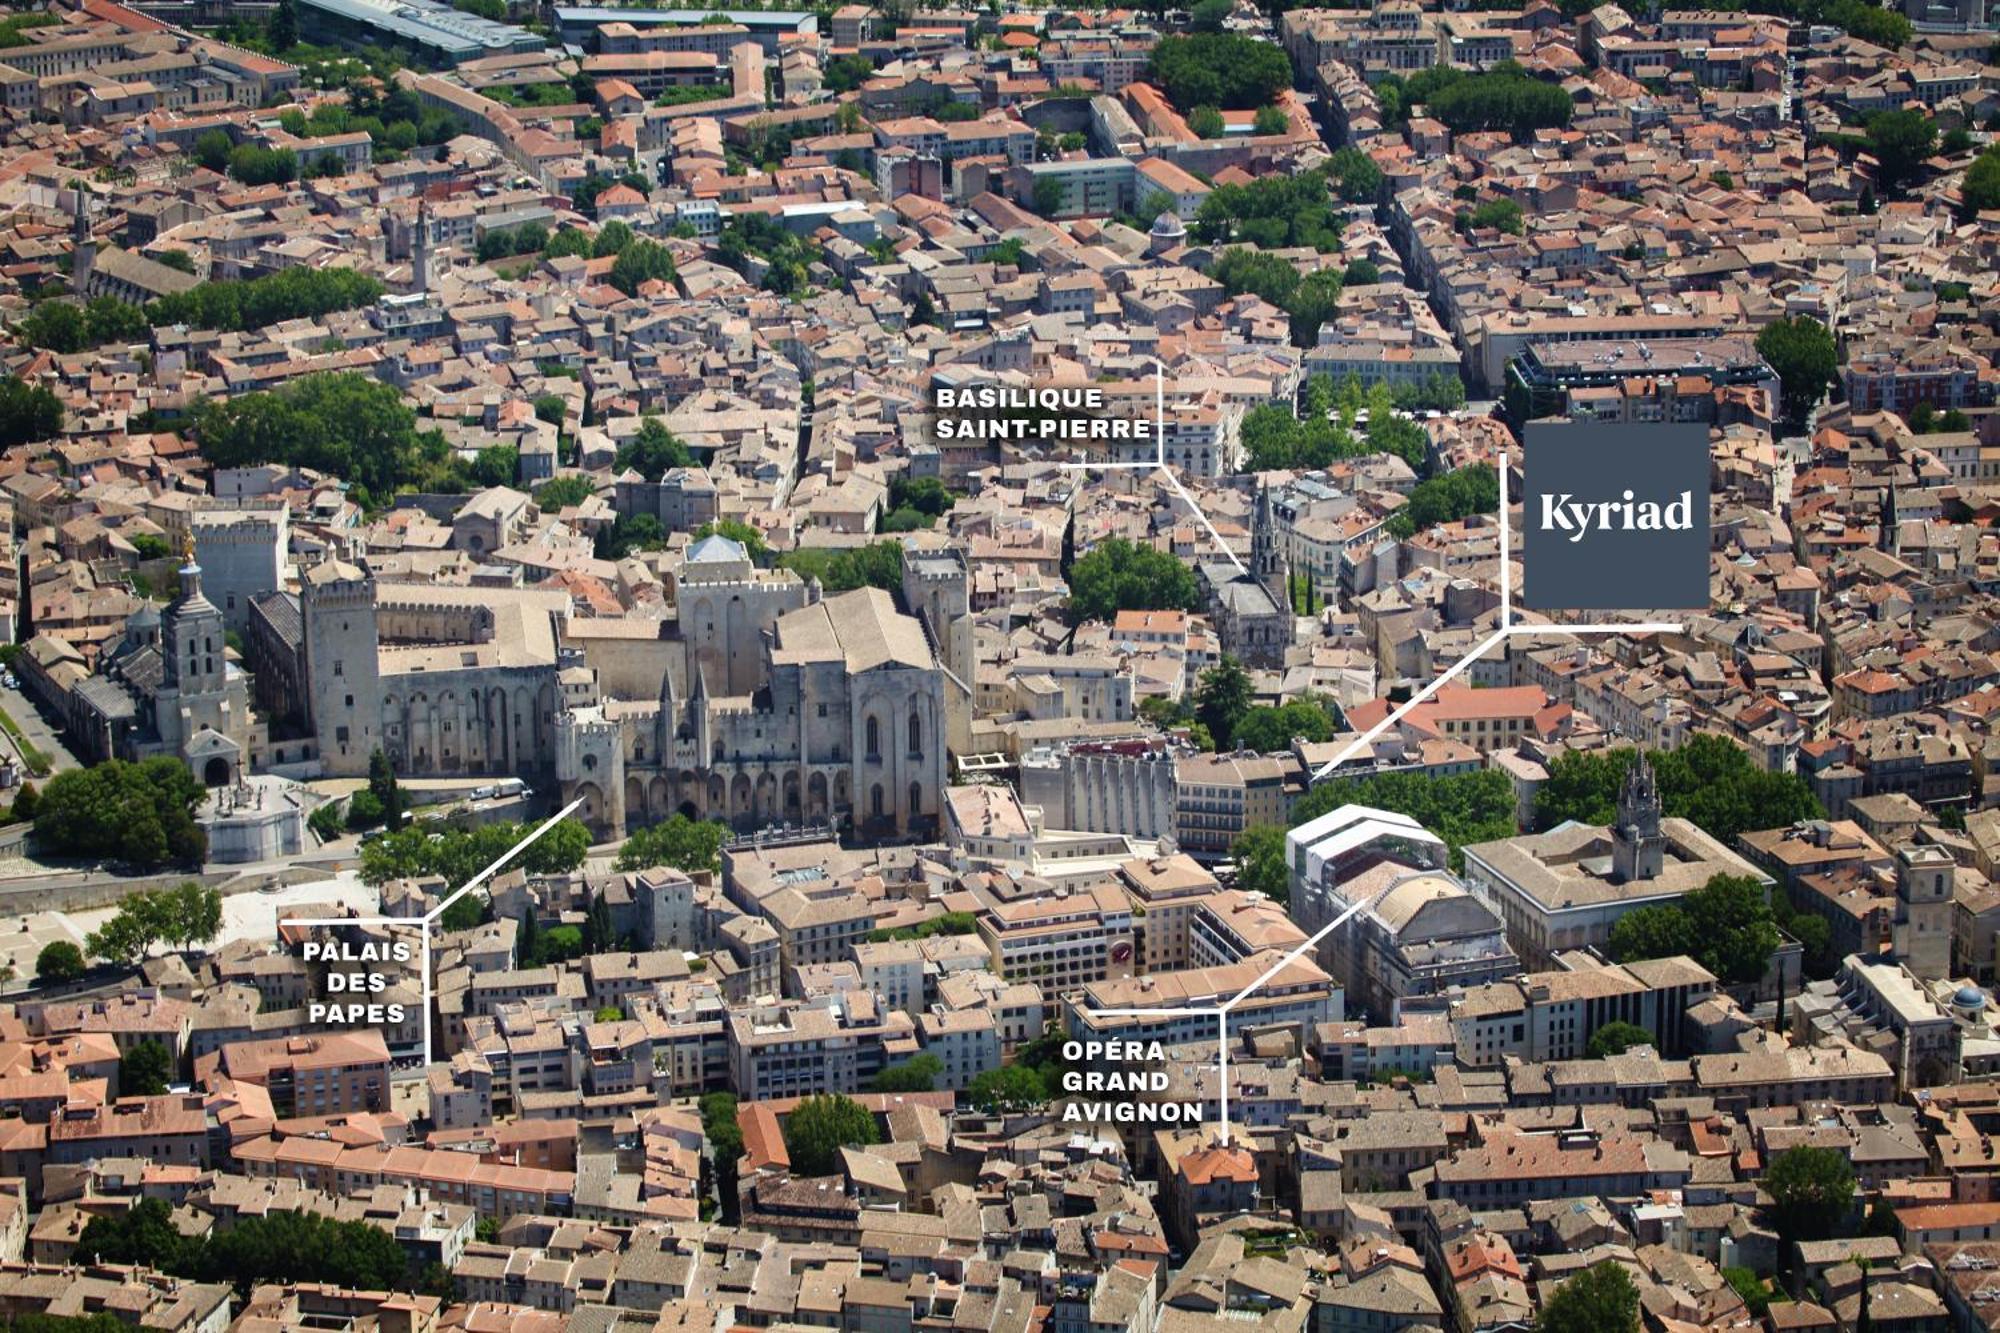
1969 997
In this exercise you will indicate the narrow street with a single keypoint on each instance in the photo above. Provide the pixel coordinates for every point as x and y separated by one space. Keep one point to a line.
33 726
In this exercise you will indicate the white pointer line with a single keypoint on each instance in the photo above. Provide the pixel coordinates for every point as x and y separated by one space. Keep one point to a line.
1302 950
505 857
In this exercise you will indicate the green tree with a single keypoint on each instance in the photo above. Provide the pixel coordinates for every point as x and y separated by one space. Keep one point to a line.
1009 1088
1497 214
1272 211
143 1070
1870 22
211 150
27 413
143 1235
1732 918
252 303
383 787
1815 936
1118 575
1812 1192
1756 1295
1222 698
919 1073
304 1247
1710 781
1979 191
1652 932
528 940
140 814
1259 853
1309 718
691 845
1901 141
1047 196
1270 119
612 239
1457 495
1357 178
1502 98
1727 925
736 530
926 495
459 852
844 74
284 30
263 166
1461 808
635 532
1209 15
876 565
55 325
609 1013
820 1126
1803 354
725 1145
58 962
652 450
1206 122
1223 70
1600 1299
190 914
329 821
1616 1039
564 492
346 425
559 944
641 262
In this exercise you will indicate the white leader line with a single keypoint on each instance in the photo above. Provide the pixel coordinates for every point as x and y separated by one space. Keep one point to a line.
1159 458
1506 540
1397 714
1613 627
423 923
503 859
1159 462
1222 1068
1300 952
424 985
1506 629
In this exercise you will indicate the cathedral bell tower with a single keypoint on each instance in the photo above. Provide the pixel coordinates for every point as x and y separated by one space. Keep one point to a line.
1638 848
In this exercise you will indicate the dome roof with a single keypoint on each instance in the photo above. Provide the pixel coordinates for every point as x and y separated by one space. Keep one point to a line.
1969 997
1166 224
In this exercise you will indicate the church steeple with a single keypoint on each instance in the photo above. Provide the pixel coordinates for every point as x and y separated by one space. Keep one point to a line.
1638 849
420 249
1267 563
191 633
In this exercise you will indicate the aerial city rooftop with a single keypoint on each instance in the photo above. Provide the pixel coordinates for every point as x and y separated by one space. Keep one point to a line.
875 668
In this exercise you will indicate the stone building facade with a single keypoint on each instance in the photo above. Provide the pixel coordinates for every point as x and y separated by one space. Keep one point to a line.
843 723
169 687
446 680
